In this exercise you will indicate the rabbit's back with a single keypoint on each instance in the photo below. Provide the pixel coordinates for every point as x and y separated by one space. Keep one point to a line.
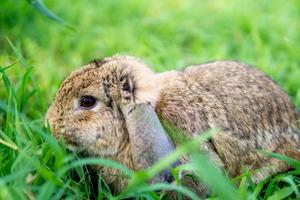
252 111
251 100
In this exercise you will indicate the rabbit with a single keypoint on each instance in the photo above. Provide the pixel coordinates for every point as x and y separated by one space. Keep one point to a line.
93 107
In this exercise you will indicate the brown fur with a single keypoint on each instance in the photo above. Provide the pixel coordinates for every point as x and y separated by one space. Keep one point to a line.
251 110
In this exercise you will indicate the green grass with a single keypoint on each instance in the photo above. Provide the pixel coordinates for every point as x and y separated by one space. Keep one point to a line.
37 52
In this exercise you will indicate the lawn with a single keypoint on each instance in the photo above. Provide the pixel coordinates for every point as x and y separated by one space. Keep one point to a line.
37 52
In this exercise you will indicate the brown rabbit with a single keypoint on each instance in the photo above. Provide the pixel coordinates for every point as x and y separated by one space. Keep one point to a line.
91 112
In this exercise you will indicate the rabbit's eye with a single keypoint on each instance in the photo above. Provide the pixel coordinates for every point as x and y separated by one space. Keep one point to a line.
87 102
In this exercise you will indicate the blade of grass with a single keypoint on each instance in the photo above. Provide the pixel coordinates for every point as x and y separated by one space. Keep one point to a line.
8 141
40 6
95 161
282 193
219 184
160 186
25 64
2 69
289 180
17 54
4 180
10 145
22 92
292 162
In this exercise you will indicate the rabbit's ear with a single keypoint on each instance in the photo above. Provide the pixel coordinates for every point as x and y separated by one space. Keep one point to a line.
127 88
149 142
127 84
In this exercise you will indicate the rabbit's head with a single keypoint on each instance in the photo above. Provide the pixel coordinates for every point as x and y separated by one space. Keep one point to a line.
88 111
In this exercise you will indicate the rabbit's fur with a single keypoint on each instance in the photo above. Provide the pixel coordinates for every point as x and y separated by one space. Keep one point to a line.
249 108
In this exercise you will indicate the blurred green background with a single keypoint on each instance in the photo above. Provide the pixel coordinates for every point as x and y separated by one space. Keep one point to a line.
170 34
165 34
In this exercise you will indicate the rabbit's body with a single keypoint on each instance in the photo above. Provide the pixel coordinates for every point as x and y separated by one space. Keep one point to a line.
252 112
